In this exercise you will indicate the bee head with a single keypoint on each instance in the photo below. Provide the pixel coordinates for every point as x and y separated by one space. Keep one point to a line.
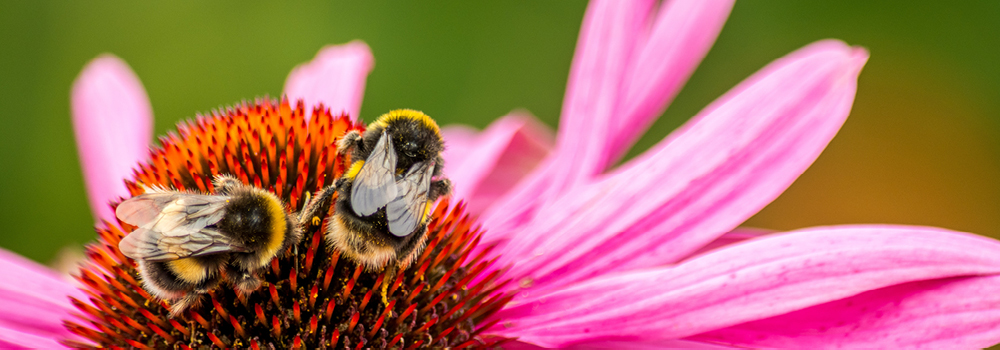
414 135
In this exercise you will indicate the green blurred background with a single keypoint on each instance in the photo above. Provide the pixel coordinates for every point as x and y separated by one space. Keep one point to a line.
920 146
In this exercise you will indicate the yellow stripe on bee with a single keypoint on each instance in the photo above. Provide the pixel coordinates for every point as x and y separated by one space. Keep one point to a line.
279 225
188 270
427 211
384 120
355 169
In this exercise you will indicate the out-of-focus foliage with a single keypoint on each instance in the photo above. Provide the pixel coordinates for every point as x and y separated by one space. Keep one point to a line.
921 146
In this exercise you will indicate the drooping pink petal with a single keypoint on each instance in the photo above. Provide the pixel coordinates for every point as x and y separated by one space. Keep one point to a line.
492 162
609 36
683 33
953 313
709 176
335 77
33 303
748 281
112 122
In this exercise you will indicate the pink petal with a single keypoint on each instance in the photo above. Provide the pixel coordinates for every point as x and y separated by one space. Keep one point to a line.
649 73
644 345
737 235
488 166
609 36
605 344
112 121
458 143
702 181
659 253
749 281
34 301
611 32
11 339
335 78
937 314
683 33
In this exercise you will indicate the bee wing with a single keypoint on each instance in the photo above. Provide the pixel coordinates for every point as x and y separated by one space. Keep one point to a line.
151 245
173 225
168 210
407 210
374 186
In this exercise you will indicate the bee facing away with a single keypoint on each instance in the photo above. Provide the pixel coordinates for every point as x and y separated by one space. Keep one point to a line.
383 199
186 242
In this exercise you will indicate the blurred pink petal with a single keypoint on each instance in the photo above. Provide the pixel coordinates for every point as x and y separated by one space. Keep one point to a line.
458 143
112 121
33 303
484 166
681 37
335 77
948 313
745 282
711 175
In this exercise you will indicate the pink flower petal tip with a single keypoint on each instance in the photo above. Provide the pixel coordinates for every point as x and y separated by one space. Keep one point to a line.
112 121
335 77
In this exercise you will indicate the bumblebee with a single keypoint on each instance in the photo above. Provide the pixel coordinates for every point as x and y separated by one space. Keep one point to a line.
186 243
383 200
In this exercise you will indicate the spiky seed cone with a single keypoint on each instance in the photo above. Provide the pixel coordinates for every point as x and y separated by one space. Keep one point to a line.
310 298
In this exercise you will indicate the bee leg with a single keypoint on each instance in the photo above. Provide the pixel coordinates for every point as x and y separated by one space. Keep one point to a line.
439 188
438 166
350 141
314 212
224 184
187 301
248 283
307 200
390 277
244 281
193 297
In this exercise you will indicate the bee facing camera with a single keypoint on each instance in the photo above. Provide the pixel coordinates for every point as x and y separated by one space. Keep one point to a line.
384 198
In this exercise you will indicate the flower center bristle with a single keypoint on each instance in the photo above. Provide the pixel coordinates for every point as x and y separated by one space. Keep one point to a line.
311 297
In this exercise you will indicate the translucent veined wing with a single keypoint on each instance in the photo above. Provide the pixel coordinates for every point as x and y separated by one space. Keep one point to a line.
374 186
161 210
407 210
173 225
143 244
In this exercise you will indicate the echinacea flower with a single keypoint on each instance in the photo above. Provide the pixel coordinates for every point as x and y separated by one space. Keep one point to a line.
645 254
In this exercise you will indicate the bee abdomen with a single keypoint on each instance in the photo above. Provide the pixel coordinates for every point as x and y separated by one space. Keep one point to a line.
172 279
